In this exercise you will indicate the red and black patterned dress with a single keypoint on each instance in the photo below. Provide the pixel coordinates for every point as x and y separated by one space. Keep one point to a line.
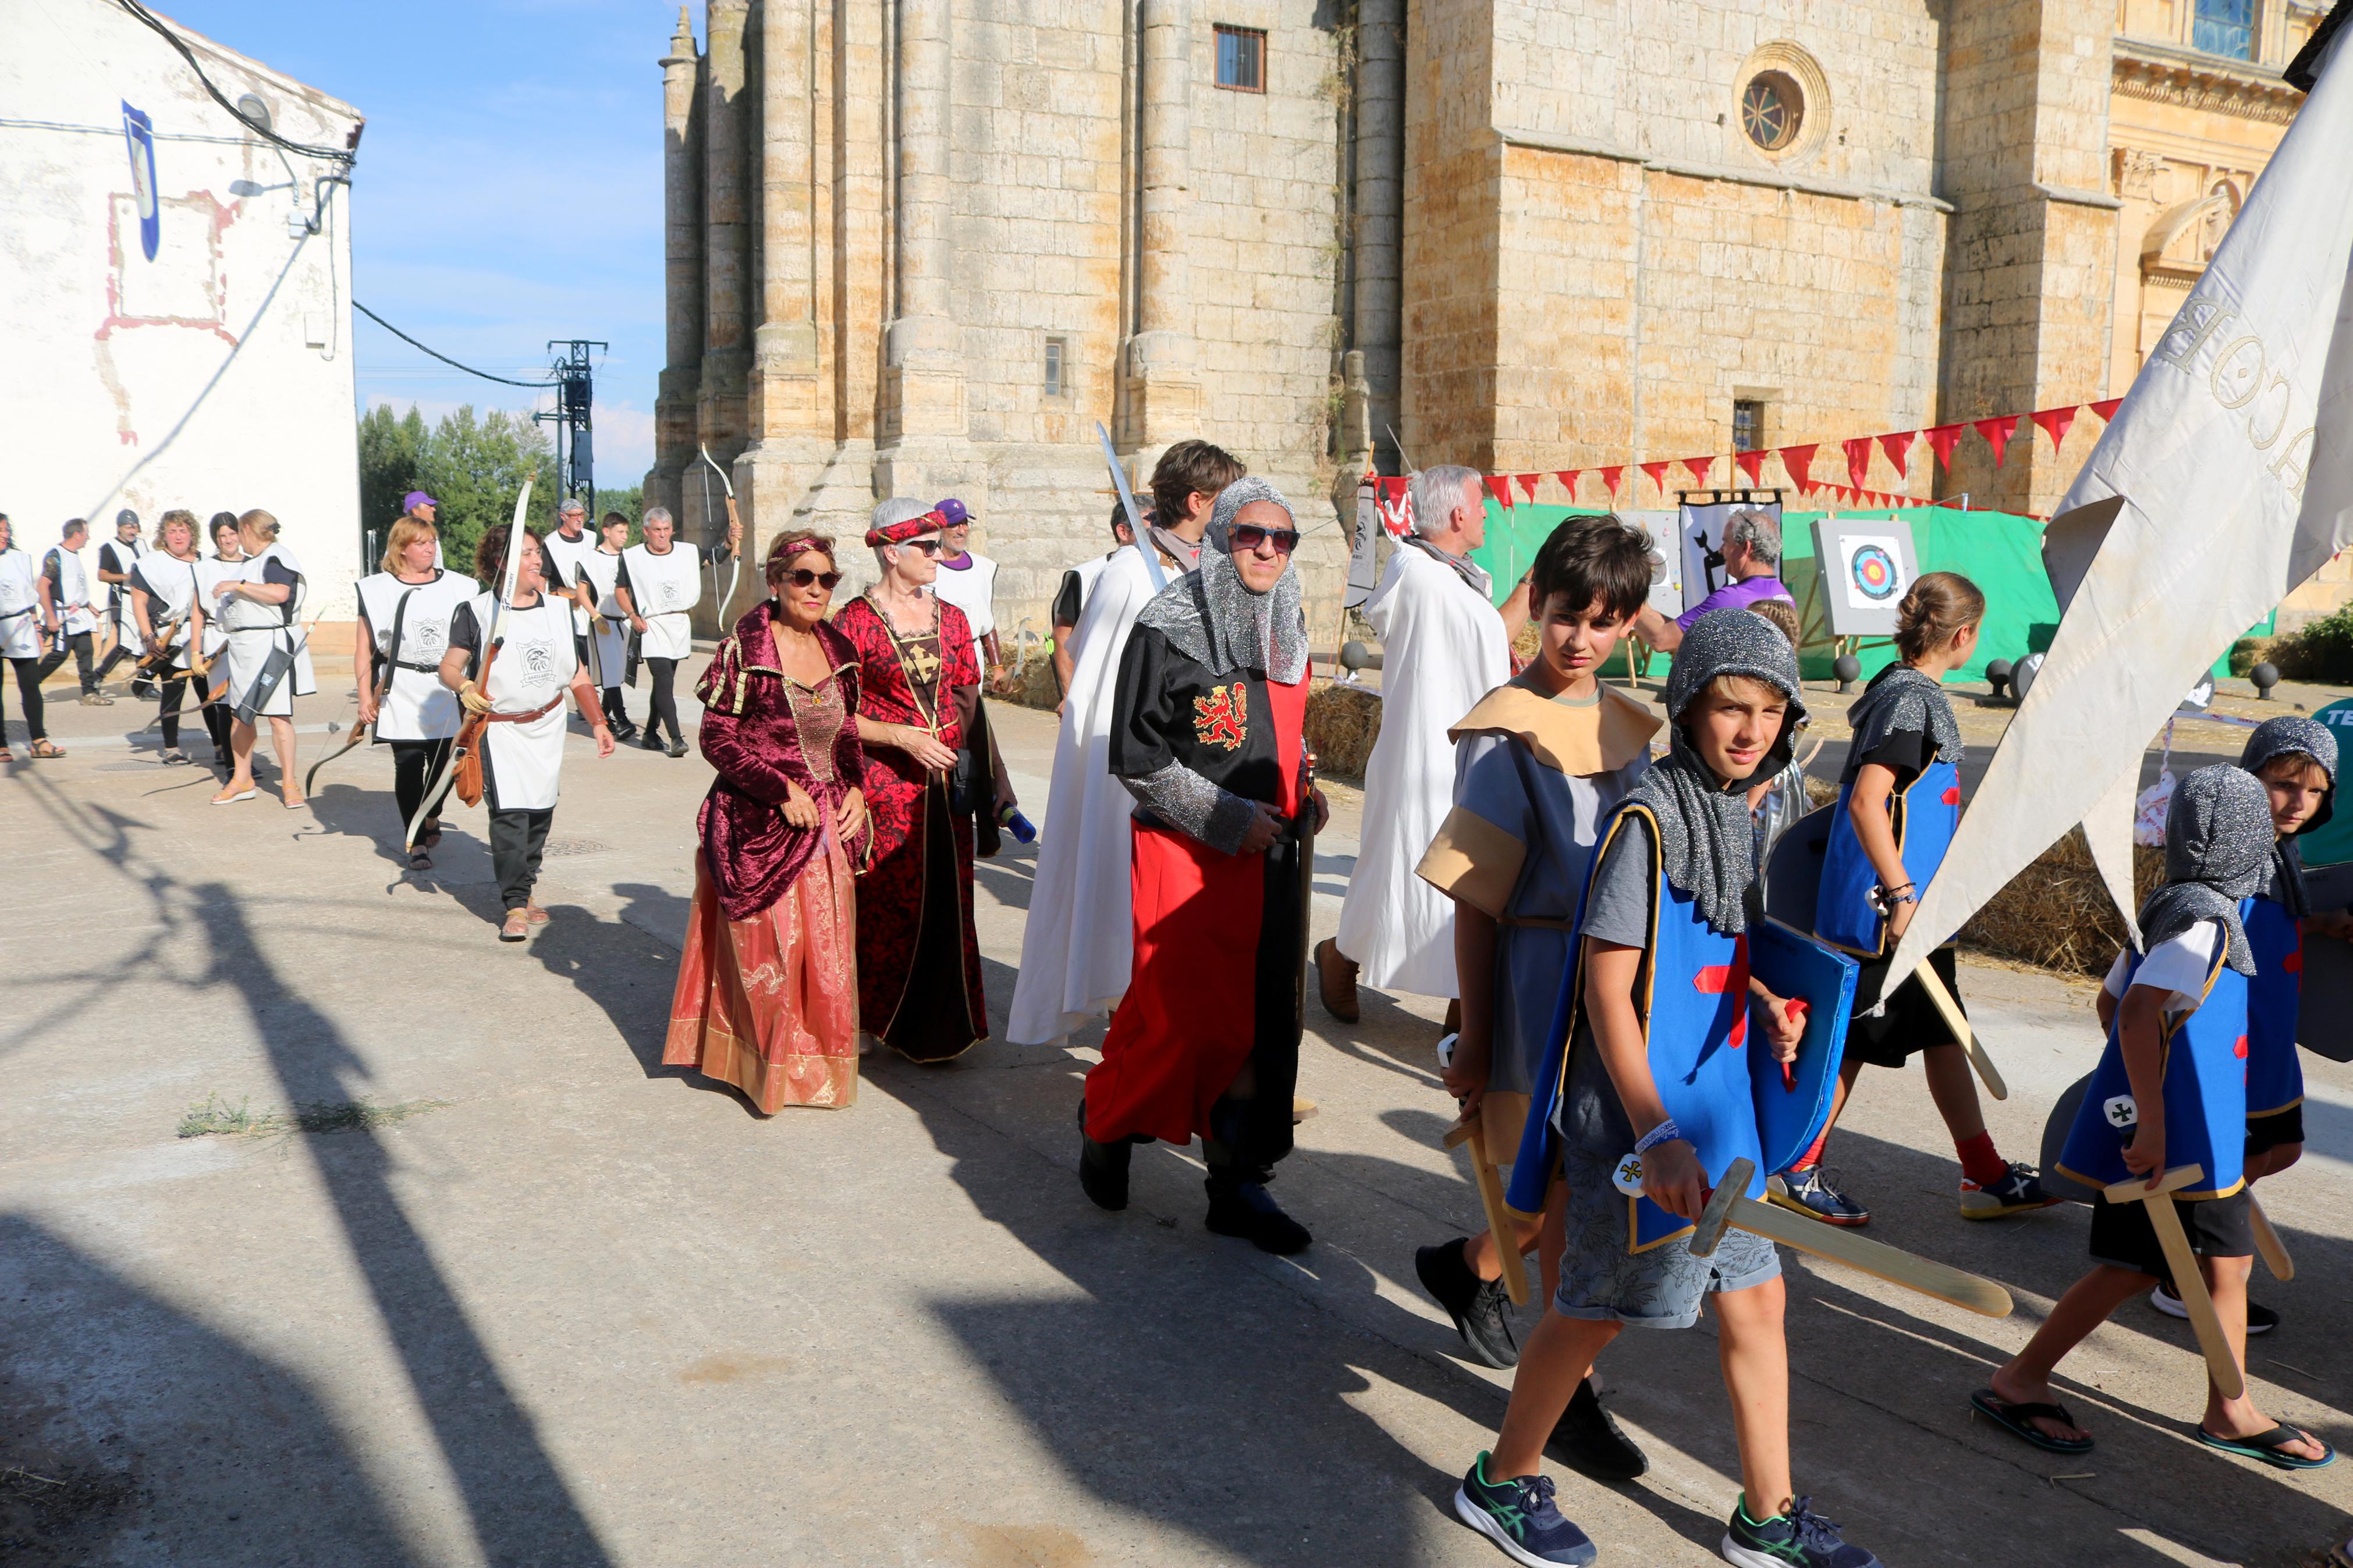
918 952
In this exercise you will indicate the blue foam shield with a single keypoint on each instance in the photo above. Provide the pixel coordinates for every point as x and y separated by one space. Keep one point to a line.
1791 1115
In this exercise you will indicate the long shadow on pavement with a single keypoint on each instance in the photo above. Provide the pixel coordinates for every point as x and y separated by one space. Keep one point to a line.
519 1508
130 1425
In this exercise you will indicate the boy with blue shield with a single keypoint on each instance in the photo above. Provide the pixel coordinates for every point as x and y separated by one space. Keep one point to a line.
2171 1091
1656 1018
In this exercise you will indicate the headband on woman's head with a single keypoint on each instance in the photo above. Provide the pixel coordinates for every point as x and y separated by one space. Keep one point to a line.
899 532
792 547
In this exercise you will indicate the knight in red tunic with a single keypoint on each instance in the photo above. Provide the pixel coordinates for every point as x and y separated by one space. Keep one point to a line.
1205 735
919 986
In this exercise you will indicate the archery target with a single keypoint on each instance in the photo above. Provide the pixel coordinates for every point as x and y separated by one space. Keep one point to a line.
1873 575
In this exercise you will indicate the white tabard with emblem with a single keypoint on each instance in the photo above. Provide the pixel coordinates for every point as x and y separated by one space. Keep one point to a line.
171 586
20 606
122 556
521 762
564 555
664 588
72 590
603 571
416 705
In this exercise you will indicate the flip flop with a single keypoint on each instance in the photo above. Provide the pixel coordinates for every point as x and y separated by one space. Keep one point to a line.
2265 1446
2017 1419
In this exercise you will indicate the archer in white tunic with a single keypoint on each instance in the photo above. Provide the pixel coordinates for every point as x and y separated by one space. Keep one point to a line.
22 635
600 570
162 591
406 628
1443 648
69 600
661 581
1078 947
117 559
513 666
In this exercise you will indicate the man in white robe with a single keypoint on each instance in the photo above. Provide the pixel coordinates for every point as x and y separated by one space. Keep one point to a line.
1078 947
1444 646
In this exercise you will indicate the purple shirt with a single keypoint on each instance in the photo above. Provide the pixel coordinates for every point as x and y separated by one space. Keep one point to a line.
1738 596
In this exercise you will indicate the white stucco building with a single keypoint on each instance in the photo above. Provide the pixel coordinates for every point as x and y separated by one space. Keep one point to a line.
188 347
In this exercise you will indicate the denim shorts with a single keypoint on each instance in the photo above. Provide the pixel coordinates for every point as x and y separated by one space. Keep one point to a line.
1658 1287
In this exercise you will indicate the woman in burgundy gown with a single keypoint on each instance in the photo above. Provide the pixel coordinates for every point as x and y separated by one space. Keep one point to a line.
918 690
767 988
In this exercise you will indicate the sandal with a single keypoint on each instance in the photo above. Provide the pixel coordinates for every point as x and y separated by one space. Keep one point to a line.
231 797
2265 1446
432 836
420 861
539 916
2017 1419
45 749
518 926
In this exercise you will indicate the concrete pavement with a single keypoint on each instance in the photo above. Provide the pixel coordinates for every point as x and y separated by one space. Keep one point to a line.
576 1308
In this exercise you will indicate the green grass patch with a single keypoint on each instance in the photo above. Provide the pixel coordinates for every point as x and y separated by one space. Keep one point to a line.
216 1118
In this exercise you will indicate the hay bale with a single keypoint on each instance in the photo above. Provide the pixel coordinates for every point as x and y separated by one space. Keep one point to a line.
2055 913
1341 725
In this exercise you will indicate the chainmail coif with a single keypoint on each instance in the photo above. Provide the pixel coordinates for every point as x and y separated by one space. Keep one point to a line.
2218 850
1706 848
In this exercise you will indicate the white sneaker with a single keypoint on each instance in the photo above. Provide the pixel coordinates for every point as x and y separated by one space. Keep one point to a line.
2261 1319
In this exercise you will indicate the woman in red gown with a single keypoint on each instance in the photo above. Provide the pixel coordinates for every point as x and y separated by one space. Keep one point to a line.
768 985
919 988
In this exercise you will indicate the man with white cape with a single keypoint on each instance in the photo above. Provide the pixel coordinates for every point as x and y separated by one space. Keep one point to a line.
1078 947
1443 647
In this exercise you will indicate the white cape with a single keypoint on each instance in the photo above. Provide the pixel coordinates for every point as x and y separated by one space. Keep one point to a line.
2229 481
1442 649
1078 945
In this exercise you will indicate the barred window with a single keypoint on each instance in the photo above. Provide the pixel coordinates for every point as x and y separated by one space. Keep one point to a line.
1241 58
1748 424
1058 359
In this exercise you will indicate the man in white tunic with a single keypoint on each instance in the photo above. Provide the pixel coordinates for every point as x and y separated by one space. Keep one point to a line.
1078 585
661 582
117 559
66 588
1078 946
25 624
1443 646
531 664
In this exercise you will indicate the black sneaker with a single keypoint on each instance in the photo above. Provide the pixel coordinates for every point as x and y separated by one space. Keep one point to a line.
625 732
1520 1516
2261 1319
2020 1190
1589 1441
652 741
678 747
1479 1306
1801 1536
1245 1209
1102 1167
1811 1193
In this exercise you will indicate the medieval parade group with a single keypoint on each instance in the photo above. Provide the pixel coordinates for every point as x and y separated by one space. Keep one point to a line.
1579 874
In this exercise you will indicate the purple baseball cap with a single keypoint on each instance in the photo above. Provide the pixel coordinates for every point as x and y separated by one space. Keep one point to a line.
415 498
951 512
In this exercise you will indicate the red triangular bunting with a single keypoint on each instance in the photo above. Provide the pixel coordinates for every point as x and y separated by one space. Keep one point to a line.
1500 487
1858 459
1658 472
1567 477
1943 438
2108 410
1751 465
1528 484
1699 469
1898 447
2054 423
1797 459
1614 478
1997 433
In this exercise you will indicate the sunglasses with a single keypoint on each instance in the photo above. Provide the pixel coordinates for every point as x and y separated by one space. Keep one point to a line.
931 547
801 577
1249 536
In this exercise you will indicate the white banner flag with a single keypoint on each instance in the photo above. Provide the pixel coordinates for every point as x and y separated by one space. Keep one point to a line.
2231 474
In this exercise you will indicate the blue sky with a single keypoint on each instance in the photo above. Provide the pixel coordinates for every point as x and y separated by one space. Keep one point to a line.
507 191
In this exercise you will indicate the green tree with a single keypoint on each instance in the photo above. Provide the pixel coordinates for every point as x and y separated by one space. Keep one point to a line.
391 463
631 503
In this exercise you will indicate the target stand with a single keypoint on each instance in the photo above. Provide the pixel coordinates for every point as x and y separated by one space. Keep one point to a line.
1864 567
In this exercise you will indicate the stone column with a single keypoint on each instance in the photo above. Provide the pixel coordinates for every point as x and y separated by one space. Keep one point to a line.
1164 389
1379 230
791 408
727 254
674 396
924 446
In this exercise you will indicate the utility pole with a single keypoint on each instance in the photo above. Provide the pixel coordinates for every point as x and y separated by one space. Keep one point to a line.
575 464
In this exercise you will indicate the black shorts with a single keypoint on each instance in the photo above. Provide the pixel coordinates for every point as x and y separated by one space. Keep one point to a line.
1911 1021
2279 1129
2217 1227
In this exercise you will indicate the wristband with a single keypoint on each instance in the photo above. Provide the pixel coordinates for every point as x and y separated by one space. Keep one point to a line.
1664 1132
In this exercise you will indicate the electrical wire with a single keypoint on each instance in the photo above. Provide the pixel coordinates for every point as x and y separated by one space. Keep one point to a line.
444 359
342 156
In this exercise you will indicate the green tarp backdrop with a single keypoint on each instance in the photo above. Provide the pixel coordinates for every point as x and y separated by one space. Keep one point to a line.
1999 551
